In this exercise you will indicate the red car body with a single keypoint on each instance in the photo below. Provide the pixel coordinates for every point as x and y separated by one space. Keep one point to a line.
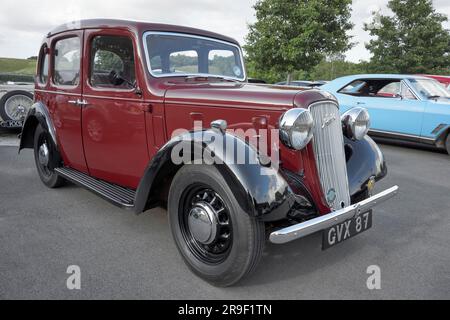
133 128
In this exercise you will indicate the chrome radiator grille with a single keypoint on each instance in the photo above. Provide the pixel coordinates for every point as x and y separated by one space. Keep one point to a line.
329 152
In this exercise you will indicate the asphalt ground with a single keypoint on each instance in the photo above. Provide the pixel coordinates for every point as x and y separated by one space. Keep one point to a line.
124 256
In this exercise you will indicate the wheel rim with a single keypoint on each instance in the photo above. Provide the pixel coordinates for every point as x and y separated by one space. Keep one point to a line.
17 106
205 224
43 155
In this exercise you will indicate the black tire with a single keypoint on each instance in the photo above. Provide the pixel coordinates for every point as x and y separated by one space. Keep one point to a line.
3 112
447 143
48 176
241 254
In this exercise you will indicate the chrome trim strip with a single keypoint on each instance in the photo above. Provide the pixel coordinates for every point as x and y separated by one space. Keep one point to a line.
323 222
147 58
398 134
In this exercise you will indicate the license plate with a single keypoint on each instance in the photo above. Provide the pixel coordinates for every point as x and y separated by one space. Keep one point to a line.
11 124
347 229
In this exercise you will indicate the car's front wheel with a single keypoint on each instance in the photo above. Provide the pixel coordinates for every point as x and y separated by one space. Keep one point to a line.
43 156
217 239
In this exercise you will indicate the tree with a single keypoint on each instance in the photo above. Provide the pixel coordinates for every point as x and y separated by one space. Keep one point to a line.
413 40
333 68
295 35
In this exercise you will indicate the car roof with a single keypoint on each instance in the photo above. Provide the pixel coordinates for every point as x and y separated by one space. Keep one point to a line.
135 26
384 76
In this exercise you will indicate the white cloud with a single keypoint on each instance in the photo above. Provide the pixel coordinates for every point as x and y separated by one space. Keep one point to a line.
23 23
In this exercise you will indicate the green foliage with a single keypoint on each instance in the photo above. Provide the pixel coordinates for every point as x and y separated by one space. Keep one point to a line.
18 66
329 70
413 40
292 35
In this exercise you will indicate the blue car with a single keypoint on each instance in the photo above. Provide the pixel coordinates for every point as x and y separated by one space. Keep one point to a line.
402 107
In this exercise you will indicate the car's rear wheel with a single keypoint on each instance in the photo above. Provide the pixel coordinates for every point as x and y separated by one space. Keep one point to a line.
217 239
43 156
14 105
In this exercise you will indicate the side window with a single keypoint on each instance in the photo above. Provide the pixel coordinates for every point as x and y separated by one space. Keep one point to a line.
183 62
354 87
112 62
390 90
67 62
44 58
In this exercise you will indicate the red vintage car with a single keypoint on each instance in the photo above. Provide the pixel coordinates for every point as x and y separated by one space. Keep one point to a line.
149 115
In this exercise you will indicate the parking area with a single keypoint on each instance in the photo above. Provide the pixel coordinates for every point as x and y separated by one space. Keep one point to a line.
122 255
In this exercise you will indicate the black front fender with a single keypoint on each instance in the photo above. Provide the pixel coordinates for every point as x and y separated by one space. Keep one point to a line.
364 161
261 191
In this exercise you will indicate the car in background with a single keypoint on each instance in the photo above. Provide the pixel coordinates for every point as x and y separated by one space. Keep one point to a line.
256 81
442 79
302 83
15 101
402 107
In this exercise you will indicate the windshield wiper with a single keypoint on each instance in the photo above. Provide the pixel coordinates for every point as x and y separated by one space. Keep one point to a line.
209 78
434 97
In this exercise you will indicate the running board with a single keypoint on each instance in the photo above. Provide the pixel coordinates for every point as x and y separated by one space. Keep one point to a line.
117 195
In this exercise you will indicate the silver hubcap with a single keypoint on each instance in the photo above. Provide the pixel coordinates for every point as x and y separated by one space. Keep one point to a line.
203 223
43 154
17 106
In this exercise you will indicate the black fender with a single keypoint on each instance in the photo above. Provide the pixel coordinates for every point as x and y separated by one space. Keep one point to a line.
39 114
266 196
364 161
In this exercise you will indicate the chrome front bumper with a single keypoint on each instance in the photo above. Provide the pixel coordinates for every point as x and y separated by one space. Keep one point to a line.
323 222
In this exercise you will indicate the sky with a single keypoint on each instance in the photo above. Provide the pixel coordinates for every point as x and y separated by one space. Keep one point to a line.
23 23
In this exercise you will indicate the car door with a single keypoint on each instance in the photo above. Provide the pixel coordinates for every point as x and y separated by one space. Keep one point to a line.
390 113
66 91
114 134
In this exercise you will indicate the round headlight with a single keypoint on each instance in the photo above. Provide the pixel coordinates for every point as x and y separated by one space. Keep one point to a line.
356 123
296 128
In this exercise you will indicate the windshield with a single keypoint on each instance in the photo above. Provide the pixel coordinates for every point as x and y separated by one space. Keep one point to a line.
170 54
429 88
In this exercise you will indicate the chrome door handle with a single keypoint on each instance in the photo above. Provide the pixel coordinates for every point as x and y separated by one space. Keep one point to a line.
78 102
82 102
359 102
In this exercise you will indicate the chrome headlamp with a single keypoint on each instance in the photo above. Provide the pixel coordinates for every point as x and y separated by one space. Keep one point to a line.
296 128
356 123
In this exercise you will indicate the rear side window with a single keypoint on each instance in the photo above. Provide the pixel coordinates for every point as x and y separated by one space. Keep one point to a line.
43 65
112 55
67 62
353 87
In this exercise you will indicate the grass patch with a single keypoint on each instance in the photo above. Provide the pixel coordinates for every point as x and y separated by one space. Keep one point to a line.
18 66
